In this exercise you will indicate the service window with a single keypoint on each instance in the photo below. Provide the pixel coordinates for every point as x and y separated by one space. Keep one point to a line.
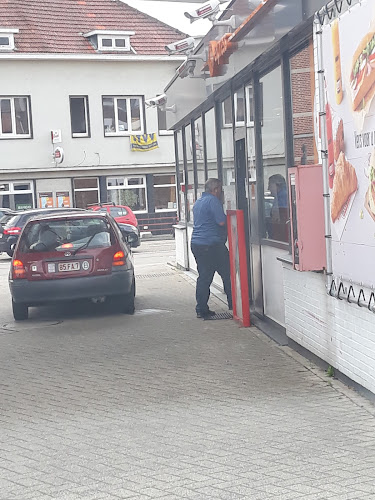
165 192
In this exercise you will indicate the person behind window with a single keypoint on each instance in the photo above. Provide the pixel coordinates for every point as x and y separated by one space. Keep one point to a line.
276 225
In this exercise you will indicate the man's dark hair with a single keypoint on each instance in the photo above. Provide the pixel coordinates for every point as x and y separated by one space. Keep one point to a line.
277 179
212 184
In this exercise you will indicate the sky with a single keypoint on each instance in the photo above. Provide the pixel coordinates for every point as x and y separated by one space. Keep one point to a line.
172 13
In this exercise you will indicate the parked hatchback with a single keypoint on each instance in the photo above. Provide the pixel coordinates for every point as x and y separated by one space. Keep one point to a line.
121 213
11 228
68 257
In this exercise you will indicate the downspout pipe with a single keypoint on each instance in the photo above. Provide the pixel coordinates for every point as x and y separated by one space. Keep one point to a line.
324 151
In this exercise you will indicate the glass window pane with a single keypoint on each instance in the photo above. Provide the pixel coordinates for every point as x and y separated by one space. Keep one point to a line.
303 88
122 115
181 177
227 112
115 181
120 42
240 106
274 168
134 198
86 182
23 201
4 40
162 120
211 143
201 174
136 114
190 172
106 42
228 163
165 198
164 179
85 198
78 115
109 115
6 117
21 112
22 187
135 181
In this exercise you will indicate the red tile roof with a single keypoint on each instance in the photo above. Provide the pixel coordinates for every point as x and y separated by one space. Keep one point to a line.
57 26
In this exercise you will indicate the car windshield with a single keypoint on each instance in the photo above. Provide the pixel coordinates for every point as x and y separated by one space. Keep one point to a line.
66 235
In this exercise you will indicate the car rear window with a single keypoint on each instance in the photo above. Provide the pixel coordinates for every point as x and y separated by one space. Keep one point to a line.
4 219
118 211
13 221
66 234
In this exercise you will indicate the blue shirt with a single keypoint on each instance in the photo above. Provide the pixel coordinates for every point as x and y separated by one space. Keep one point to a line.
208 214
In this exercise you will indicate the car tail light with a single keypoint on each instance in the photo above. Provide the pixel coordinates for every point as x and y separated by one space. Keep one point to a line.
119 259
19 271
12 230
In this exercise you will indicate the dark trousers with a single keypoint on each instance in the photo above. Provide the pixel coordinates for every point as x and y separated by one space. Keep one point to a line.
211 259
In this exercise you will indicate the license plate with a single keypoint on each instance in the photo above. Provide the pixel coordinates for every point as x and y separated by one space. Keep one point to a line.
68 266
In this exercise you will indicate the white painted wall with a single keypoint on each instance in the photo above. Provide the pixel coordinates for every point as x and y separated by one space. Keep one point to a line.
49 83
340 333
273 290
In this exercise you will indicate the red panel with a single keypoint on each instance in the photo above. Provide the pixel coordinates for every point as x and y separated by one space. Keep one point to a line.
238 266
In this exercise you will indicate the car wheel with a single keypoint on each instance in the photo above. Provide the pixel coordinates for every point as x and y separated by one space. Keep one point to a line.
20 311
128 301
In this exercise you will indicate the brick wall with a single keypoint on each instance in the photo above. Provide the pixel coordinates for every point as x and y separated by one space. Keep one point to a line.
340 333
303 87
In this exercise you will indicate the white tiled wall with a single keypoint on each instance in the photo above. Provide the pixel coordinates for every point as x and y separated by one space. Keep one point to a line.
340 333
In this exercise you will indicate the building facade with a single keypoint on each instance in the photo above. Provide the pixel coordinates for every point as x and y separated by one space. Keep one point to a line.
250 116
71 98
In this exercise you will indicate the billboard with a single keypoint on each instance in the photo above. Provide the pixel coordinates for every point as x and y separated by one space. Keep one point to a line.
349 64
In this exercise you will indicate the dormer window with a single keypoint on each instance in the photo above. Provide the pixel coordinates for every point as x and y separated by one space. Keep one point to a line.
7 38
113 41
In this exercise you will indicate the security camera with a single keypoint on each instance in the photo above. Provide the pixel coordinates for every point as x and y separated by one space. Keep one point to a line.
183 46
187 68
231 22
208 10
158 101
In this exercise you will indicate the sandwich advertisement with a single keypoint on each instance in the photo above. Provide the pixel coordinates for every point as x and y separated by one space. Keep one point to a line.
349 68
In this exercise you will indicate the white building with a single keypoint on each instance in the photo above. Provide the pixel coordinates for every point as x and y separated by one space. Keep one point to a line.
84 69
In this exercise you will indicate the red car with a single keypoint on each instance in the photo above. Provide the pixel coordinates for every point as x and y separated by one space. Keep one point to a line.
70 257
121 213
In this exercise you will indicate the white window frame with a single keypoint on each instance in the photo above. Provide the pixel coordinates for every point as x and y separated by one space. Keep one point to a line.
8 33
13 191
128 132
86 101
167 185
113 47
131 186
13 134
160 130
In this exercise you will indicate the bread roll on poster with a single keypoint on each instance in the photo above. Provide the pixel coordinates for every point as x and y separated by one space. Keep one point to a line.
337 61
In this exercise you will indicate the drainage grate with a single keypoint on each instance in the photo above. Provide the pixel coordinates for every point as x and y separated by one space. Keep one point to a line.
156 275
219 316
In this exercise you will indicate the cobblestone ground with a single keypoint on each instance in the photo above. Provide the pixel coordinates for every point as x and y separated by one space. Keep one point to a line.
161 405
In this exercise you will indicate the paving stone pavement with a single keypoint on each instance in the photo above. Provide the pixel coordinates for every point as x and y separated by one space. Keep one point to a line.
161 405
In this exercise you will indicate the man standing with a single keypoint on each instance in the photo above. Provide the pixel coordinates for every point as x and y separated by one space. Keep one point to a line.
208 245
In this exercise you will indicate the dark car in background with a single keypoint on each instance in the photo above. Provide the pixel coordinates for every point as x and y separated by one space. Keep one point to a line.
132 232
11 229
65 257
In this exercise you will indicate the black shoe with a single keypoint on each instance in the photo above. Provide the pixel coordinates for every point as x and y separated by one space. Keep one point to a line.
206 314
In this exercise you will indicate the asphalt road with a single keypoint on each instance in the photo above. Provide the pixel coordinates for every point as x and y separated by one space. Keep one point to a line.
161 405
